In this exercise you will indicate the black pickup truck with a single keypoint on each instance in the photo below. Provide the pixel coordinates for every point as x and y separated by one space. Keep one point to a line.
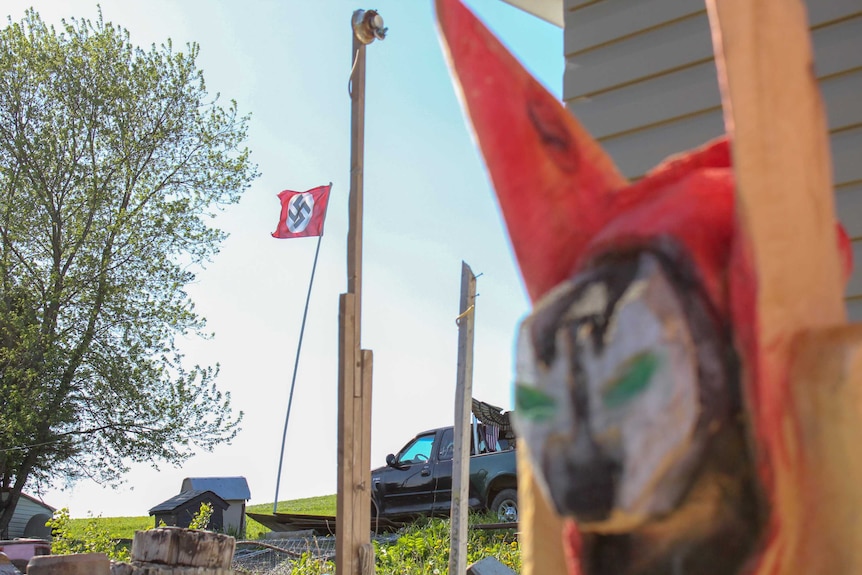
418 479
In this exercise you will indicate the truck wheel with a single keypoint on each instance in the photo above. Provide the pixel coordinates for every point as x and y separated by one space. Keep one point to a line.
505 506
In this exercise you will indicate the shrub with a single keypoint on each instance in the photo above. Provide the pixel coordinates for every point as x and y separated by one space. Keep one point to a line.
95 538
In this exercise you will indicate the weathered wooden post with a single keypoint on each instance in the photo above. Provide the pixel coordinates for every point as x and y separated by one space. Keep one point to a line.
80 564
353 507
463 402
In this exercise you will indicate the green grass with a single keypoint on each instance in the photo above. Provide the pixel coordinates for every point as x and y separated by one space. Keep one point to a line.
125 527
320 505
422 548
118 527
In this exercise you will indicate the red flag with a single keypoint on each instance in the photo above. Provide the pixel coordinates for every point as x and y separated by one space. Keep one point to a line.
302 213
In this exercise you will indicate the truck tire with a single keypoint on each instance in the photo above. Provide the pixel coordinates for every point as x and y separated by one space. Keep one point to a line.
505 506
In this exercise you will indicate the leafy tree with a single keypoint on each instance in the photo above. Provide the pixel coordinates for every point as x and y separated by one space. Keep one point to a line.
113 159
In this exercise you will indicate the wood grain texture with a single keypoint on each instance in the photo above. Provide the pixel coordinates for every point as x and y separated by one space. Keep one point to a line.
826 393
78 564
175 546
786 222
348 359
774 116
155 569
541 529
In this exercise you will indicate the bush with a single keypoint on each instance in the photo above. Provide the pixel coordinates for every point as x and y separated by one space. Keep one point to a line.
95 538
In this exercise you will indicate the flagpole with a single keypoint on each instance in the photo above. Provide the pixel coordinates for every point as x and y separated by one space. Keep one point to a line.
293 379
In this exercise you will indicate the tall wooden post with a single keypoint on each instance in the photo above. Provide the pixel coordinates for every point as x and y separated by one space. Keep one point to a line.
785 207
353 550
463 397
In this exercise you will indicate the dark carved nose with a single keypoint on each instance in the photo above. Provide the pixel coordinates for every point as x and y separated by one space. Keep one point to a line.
590 494
583 483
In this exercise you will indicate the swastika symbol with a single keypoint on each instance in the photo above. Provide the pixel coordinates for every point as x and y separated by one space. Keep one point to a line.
299 211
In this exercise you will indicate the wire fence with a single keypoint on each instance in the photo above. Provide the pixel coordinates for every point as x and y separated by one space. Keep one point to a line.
279 556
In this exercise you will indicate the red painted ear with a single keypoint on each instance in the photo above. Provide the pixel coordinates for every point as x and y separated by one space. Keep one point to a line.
553 181
845 251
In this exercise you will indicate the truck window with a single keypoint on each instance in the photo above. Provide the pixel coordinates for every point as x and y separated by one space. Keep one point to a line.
447 445
418 451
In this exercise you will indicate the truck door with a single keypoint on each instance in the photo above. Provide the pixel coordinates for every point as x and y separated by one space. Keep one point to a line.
407 486
443 472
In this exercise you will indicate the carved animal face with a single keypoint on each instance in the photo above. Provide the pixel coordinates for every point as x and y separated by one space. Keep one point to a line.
621 381
628 398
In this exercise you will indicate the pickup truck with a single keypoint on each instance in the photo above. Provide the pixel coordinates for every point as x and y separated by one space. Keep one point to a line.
417 480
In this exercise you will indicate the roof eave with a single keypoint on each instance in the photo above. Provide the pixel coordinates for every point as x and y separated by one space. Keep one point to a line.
548 10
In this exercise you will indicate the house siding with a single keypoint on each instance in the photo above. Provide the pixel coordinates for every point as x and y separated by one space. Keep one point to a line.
24 511
641 78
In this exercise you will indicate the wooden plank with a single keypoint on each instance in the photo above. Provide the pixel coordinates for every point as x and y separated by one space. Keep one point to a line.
826 394
781 160
80 564
362 467
785 208
540 528
345 553
459 508
185 547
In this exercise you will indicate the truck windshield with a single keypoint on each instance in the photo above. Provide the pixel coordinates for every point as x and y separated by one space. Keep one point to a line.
418 451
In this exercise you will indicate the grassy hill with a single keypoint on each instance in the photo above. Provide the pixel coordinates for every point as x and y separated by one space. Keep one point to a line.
125 527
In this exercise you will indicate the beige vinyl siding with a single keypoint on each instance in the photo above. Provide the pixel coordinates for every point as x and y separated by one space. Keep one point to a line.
641 77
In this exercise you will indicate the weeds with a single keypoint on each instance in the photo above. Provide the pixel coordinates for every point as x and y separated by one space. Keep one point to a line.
423 549
95 537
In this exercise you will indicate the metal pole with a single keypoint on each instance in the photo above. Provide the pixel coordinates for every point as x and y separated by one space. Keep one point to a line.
293 379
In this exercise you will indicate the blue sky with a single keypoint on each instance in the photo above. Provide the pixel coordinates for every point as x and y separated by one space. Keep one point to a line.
428 206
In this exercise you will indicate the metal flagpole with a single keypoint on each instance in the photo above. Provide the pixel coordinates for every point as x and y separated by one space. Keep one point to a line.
293 379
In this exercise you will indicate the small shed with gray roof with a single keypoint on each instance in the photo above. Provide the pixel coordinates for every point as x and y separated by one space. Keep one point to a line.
234 490
179 510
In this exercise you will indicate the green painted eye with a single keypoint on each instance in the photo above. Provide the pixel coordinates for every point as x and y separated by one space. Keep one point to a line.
633 377
534 404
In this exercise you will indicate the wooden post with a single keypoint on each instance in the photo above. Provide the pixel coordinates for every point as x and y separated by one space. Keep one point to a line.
785 206
540 528
348 532
353 507
463 403
79 564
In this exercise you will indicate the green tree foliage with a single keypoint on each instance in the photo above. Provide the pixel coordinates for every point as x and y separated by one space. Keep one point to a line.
113 160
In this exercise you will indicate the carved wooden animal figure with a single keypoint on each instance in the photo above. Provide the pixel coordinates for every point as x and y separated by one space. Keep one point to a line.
651 430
